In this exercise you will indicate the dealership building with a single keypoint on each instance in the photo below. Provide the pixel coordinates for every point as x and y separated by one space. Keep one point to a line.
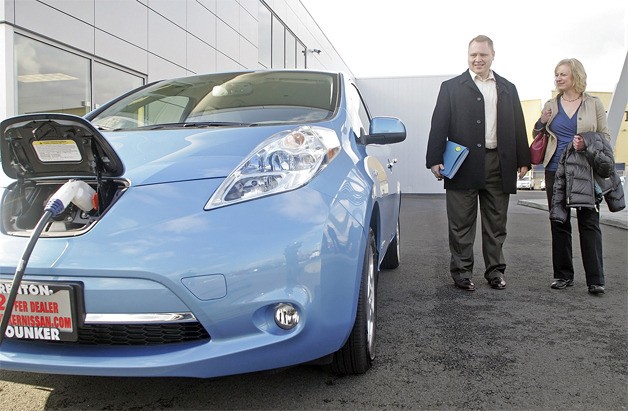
71 56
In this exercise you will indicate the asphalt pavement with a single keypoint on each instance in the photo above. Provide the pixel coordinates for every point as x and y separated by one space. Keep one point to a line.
527 347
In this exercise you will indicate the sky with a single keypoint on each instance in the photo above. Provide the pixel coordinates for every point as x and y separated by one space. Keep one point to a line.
393 38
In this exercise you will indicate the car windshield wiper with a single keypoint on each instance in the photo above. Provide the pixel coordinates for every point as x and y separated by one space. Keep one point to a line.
196 124
103 128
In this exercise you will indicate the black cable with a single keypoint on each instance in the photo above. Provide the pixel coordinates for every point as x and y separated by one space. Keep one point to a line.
19 271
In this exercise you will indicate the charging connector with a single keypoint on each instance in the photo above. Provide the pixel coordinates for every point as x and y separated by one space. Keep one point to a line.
75 191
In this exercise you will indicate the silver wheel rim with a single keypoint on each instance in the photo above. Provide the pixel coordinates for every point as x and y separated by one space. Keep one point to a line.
370 313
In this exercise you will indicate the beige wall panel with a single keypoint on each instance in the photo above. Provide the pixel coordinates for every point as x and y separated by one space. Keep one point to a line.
248 54
201 57
173 10
201 23
166 39
412 99
248 25
55 24
115 16
227 41
160 69
121 52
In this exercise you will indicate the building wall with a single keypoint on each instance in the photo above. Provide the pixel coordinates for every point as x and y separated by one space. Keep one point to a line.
156 38
412 99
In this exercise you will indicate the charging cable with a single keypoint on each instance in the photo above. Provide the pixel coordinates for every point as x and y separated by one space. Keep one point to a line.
74 191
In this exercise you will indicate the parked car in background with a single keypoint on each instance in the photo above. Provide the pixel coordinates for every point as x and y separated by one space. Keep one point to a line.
233 222
525 183
543 184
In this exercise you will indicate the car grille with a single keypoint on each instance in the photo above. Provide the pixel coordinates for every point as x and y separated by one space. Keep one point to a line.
135 334
140 334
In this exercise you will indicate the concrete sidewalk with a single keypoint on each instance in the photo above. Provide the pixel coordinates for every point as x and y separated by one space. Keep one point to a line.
618 219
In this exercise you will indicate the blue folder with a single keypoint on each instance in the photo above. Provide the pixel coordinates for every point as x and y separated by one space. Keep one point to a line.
453 157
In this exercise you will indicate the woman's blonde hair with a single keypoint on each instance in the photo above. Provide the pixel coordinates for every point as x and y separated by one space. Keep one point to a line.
577 71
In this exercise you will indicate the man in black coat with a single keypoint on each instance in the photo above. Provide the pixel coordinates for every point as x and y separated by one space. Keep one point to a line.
480 110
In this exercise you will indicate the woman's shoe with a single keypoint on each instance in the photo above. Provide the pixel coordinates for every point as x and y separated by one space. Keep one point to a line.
596 289
560 283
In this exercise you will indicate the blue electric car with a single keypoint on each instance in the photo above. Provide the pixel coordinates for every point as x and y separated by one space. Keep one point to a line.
215 224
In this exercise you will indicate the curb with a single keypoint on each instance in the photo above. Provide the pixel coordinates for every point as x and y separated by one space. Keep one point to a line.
618 219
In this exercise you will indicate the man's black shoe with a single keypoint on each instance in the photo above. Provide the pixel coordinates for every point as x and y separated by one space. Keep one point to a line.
465 284
561 283
596 289
497 283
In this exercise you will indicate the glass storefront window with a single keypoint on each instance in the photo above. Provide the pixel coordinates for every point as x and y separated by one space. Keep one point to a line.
50 79
278 47
109 82
291 51
301 63
279 44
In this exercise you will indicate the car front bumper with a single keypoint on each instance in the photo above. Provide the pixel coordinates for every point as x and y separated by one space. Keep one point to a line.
228 267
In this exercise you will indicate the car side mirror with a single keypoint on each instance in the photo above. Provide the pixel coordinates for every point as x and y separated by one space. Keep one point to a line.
385 130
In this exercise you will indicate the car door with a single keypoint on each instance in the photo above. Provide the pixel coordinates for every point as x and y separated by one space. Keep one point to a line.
380 165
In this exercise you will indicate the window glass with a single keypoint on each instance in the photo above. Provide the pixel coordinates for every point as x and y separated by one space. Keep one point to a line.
50 79
358 113
166 110
363 112
264 36
300 55
109 82
278 44
222 99
291 50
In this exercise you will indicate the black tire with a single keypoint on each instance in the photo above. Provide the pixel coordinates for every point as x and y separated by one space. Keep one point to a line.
392 258
358 353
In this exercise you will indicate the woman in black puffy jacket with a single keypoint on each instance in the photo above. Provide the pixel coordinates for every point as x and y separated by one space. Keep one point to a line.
576 122
585 175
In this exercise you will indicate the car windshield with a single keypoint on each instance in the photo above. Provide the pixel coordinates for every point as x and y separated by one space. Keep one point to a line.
249 98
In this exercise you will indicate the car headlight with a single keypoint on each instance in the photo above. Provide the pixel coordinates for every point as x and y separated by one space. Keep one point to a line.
285 161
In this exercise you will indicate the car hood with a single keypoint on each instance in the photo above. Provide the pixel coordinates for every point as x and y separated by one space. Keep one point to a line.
158 156
141 156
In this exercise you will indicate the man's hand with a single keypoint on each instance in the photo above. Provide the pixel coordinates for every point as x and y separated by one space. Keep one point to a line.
523 171
436 171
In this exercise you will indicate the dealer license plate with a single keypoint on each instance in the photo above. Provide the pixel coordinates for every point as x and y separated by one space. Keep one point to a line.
42 311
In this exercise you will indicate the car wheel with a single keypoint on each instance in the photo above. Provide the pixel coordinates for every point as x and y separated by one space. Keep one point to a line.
358 353
392 257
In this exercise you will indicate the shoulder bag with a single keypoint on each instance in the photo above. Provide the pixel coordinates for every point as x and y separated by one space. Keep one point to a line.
538 147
